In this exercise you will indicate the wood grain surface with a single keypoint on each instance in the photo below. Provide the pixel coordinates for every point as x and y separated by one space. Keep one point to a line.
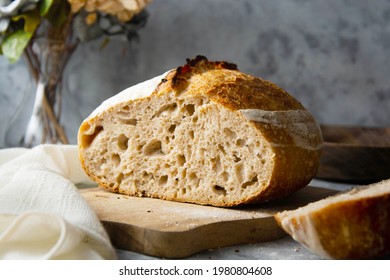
169 229
355 154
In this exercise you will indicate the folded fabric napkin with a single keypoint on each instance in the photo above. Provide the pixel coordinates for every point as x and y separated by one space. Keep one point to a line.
42 214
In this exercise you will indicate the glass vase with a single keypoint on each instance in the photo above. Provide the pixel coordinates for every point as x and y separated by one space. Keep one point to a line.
46 56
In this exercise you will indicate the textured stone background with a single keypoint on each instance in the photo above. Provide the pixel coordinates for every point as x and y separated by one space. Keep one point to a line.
334 56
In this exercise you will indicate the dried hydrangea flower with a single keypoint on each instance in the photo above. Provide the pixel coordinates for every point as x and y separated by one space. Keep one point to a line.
123 10
76 5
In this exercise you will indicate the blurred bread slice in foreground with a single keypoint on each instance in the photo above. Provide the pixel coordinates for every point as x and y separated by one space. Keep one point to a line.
350 225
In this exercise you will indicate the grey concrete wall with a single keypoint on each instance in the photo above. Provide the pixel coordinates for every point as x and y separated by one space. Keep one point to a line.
334 55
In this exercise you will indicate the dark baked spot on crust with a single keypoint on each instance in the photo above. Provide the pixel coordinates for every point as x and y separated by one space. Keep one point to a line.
197 65
217 64
192 62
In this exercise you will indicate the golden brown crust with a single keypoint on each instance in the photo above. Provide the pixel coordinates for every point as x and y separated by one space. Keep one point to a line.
357 229
224 84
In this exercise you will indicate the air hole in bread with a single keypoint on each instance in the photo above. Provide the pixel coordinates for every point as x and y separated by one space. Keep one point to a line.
190 108
231 135
119 178
172 128
140 146
222 149
236 158
181 160
146 175
165 110
103 152
240 142
116 159
183 174
219 190
131 121
250 183
163 180
240 172
191 134
153 148
192 176
88 138
123 142
225 176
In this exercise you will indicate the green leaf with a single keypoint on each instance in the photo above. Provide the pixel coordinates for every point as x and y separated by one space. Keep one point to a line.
31 20
14 44
45 6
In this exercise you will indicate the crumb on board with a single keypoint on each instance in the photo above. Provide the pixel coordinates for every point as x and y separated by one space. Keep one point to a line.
297 249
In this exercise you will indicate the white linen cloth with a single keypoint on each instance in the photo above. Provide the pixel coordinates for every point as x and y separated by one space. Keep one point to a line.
42 215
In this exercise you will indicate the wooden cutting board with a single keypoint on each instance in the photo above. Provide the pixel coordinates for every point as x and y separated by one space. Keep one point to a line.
175 230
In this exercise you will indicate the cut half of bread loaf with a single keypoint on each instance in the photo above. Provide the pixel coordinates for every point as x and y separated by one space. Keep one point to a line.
204 133
351 225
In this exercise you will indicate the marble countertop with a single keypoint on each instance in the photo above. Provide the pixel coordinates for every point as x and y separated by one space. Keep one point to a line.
282 249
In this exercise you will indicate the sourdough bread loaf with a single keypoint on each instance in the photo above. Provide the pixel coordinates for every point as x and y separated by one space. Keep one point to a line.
203 133
351 225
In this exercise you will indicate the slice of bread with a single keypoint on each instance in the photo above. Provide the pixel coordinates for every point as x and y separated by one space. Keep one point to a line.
350 225
204 133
